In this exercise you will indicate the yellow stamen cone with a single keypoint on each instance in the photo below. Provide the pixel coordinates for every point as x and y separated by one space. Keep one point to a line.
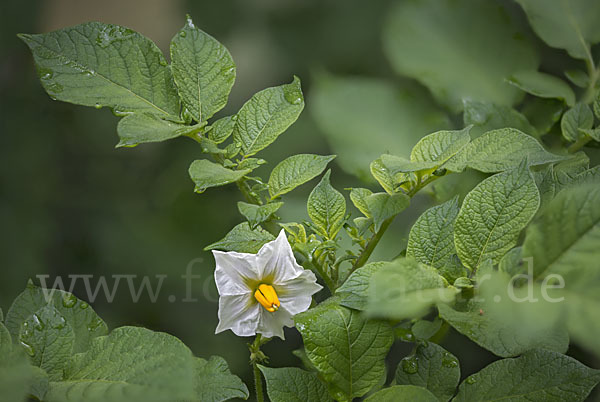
267 297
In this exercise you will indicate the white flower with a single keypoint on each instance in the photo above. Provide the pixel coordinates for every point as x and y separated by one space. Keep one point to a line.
260 293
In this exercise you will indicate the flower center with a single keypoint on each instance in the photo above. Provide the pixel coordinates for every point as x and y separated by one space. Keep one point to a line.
267 297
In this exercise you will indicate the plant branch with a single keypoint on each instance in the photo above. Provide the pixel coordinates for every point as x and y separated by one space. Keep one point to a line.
580 143
317 267
258 385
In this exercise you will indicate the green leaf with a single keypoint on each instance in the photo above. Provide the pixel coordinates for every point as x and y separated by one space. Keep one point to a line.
15 375
215 383
335 337
406 289
500 150
82 318
431 239
243 239
538 375
571 25
358 197
564 241
39 383
383 176
402 393
424 330
440 146
354 293
266 115
487 116
5 340
295 171
491 331
543 85
493 214
96 64
383 206
434 42
203 71
578 77
430 367
575 119
543 113
140 128
129 364
257 214
291 384
49 340
207 174
326 208
398 164
362 117
593 133
221 129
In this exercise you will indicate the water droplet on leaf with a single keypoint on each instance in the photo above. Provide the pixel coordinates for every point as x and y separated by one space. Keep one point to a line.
28 348
183 34
410 365
471 380
69 300
83 305
449 361
38 324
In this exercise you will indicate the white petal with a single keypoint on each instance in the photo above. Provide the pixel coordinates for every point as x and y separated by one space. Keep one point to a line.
271 324
238 313
296 294
276 260
231 271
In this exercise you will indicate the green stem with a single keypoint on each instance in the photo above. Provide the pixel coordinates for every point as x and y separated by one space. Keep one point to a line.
580 143
594 75
258 385
247 193
317 267
374 241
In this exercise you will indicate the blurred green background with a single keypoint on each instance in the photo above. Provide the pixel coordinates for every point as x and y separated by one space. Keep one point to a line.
70 203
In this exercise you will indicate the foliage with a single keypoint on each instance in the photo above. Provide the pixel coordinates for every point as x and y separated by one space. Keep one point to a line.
536 201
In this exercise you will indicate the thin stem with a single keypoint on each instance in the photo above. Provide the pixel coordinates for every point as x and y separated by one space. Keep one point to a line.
258 385
247 193
594 75
317 267
374 241
580 143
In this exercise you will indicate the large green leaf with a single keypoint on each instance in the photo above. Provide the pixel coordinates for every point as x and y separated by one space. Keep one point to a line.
15 372
84 321
358 196
347 349
243 239
500 150
431 239
49 340
566 24
266 115
564 242
207 174
459 49
295 171
406 289
487 116
493 214
96 64
431 367
215 383
291 384
129 364
203 70
139 128
363 117
402 393
326 208
491 330
354 293
383 206
440 146
538 375
543 85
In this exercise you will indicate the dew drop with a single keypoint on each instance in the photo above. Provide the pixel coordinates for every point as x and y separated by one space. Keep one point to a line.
54 88
471 380
59 322
83 305
38 324
69 300
449 361
98 106
234 117
183 34
410 365
28 348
